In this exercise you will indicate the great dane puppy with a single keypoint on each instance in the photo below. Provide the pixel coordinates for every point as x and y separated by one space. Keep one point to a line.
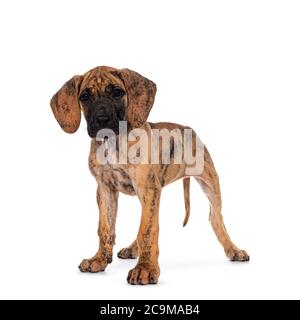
107 96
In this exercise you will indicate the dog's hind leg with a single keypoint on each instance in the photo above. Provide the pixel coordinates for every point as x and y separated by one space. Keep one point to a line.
130 252
209 183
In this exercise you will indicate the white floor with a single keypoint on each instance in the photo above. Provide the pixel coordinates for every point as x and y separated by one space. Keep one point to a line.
193 265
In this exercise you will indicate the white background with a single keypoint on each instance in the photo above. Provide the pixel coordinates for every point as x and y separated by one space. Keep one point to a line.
229 69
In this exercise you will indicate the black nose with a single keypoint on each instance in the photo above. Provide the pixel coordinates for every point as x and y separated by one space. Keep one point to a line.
101 116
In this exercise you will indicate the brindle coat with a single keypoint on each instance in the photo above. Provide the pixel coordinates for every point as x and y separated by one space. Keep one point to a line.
105 96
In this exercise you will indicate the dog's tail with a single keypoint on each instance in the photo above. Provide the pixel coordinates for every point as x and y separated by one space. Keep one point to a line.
186 192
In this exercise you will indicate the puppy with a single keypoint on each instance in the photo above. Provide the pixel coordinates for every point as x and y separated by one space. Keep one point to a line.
108 97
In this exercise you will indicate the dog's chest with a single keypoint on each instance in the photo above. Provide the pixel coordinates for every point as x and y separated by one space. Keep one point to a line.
113 176
118 179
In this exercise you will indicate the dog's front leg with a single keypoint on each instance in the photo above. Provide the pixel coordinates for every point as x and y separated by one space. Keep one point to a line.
107 200
147 269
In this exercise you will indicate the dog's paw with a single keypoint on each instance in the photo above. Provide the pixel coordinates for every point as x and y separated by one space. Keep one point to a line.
144 274
128 253
235 254
92 265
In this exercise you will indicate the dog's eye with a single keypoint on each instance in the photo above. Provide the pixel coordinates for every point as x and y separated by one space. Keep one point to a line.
117 92
84 96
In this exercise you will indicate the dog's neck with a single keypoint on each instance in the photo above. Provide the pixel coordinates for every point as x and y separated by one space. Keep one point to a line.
124 140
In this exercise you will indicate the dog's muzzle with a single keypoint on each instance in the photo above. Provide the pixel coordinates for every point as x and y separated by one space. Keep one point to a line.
101 119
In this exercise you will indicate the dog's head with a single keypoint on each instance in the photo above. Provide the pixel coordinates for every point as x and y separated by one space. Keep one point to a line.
105 96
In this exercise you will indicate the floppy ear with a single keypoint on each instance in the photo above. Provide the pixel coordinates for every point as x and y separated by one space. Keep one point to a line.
140 94
65 105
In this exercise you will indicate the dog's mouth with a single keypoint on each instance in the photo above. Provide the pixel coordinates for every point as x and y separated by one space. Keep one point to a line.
94 130
104 118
